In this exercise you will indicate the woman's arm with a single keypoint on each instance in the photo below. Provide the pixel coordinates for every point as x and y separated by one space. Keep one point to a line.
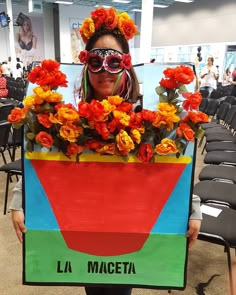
194 221
17 214
34 41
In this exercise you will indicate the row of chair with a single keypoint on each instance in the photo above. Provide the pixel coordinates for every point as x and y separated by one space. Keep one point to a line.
10 140
217 181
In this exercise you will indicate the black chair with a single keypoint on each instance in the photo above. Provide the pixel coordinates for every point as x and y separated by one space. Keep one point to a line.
215 94
220 146
203 104
216 191
11 169
5 110
15 141
225 173
212 107
204 93
220 157
5 128
220 230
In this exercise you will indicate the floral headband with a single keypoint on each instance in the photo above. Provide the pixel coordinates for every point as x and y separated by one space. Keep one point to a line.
108 19
111 60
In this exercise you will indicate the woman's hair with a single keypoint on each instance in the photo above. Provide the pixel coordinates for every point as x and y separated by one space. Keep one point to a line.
28 21
211 58
132 88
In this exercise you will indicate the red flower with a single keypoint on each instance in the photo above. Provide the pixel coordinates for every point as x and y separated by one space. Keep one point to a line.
184 74
145 152
84 56
102 130
93 144
44 120
99 16
111 20
44 139
74 149
192 101
126 61
168 83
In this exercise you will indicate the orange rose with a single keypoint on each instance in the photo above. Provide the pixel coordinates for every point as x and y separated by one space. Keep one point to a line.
167 146
184 74
107 149
17 115
68 114
111 20
192 101
124 142
185 131
44 139
99 16
168 83
70 132
87 29
115 100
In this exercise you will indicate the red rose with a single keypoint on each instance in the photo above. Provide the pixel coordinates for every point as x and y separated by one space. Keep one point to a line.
44 139
126 61
145 152
84 56
168 83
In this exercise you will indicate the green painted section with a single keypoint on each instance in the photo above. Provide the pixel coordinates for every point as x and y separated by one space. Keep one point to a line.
160 263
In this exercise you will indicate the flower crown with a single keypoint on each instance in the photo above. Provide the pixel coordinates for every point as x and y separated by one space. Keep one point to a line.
108 19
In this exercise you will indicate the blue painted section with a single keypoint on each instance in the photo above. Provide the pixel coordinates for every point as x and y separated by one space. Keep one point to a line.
174 216
38 212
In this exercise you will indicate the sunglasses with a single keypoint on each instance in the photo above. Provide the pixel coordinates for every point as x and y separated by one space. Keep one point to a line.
110 60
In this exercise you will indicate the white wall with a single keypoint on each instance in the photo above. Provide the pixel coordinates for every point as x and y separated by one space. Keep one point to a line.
203 21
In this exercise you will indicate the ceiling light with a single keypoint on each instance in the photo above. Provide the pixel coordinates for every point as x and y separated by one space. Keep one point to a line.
63 2
161 5
185 1
137 10
104 6
122 1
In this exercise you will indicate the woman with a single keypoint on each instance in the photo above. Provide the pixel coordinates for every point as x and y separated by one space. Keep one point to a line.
233 82
3 86
209 76
107 71
25 38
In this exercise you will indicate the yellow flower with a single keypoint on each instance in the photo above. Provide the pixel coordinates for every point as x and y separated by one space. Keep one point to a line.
29 101
88 28
106 149
67 114
166 116
39 91
108 107
124 142
123 117
54 97
167 146
115 100
135 135
70 132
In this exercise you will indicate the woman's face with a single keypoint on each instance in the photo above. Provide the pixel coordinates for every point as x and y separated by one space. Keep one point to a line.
26 26
209 62
104 82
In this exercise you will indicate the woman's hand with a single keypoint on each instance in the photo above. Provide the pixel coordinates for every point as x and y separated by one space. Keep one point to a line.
192 233
18 219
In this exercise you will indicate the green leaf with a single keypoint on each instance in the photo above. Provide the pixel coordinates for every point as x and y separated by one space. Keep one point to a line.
30 135
182 88
160 90
163 98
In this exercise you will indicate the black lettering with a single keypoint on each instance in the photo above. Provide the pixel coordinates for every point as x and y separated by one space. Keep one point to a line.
110 267
92 267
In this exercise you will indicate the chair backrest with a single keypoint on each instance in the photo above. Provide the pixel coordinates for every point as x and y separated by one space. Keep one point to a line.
230 115
230 99
223 110
5 128
203 104
204 93
212 107
216 94
5 111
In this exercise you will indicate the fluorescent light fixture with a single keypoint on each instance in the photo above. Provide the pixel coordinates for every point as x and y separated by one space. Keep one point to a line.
122 1
161 5
104 6
137 10
63 2
184 1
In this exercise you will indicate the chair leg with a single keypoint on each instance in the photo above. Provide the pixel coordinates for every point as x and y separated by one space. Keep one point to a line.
227 248
6 193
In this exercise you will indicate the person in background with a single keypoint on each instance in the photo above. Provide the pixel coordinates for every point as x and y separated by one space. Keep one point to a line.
209 76
3 86
233 82
25 37
107 71
6 69
227 77
19 71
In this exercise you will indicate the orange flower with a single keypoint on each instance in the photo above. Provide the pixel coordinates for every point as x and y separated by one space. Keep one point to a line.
167 146
99 16
135 135
17 115
168 83
44 139
107 149
102 130
111 20
197 117
145 152
127 28
166 116
124 142
185 131
87 29
122 117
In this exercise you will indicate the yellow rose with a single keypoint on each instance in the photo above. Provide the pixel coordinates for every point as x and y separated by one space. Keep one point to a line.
167 146
124 142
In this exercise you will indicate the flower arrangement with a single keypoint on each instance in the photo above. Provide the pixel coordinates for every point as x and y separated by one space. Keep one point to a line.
109 126
108 19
